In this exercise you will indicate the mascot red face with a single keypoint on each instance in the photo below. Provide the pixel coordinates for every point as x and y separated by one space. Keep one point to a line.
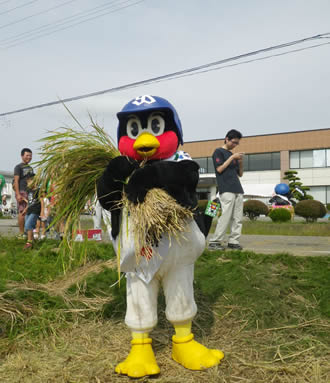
149 129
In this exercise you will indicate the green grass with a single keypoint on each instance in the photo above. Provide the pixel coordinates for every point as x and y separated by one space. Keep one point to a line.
286 228
262 304
23 275
263 286
268 287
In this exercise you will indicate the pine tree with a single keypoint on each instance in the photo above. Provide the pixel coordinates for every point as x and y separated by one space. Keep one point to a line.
294 184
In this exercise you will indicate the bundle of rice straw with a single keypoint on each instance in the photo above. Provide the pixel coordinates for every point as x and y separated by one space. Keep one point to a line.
73 161
158 214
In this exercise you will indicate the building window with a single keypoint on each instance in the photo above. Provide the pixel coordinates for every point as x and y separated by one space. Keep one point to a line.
319 193
210 165
306 159
276 161
262 161
202 162
251 162
294 160
246 163
318 158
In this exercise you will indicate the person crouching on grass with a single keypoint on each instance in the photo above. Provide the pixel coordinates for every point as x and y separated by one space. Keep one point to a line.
34 210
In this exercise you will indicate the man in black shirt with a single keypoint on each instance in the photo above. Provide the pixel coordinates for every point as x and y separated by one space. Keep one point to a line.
21 173
229 167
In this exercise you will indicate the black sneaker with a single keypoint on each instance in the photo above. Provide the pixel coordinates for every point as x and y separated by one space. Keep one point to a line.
235 246
213 246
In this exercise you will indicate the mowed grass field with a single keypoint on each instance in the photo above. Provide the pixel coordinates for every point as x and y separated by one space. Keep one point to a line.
300 228
265 227
270 314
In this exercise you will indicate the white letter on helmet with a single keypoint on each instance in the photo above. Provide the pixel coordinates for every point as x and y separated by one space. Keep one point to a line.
143 100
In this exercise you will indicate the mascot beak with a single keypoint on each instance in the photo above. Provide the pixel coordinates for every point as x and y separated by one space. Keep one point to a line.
146 145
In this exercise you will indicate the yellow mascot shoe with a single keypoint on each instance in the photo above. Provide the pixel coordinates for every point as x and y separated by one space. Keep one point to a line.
193 355
140 361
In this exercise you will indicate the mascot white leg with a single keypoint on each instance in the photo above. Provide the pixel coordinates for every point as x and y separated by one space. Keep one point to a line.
141 317
180 310
176 275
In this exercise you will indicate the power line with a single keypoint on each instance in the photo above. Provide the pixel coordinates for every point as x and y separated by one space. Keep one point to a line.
4 2
35 14
60 21
112 10
19 6
39 32
249 61
187 72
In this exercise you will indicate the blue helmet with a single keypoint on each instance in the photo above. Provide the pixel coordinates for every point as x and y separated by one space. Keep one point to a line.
146 103
282 189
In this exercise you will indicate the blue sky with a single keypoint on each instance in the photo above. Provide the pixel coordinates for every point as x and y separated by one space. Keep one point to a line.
151 38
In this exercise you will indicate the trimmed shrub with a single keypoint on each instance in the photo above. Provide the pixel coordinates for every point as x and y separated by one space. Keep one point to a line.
254 208
311 210
280 214
328 206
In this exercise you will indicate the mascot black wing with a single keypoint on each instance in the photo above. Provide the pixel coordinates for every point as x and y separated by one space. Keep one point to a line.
110 187
149 133
178 179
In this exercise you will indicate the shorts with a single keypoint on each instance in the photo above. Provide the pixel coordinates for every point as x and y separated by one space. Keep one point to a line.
31 221
22 205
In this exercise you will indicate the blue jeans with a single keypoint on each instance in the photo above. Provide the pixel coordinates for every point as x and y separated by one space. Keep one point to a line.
31 221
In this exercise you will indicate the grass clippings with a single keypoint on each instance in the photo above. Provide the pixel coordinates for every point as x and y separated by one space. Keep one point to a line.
89 352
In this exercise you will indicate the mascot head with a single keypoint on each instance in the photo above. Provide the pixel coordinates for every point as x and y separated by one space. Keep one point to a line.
149 128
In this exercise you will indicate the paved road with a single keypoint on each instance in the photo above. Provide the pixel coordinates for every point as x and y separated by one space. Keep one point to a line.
296 245
8 227
267 244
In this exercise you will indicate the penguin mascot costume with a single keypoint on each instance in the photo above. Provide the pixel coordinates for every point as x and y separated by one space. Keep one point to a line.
149 134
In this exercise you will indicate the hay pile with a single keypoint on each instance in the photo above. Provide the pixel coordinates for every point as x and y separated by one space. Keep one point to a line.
87 352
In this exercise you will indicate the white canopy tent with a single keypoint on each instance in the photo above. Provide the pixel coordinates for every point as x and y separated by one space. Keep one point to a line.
258 190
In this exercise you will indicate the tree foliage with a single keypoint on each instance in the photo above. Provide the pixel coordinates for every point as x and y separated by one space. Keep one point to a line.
311 210
280 215
254 208
294 183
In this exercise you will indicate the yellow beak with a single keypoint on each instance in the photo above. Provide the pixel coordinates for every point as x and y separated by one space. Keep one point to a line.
146 145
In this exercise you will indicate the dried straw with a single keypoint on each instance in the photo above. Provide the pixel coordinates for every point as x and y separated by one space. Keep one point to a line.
158 214
73 161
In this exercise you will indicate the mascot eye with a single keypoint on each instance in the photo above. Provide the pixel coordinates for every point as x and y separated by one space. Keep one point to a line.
156 124
133 127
